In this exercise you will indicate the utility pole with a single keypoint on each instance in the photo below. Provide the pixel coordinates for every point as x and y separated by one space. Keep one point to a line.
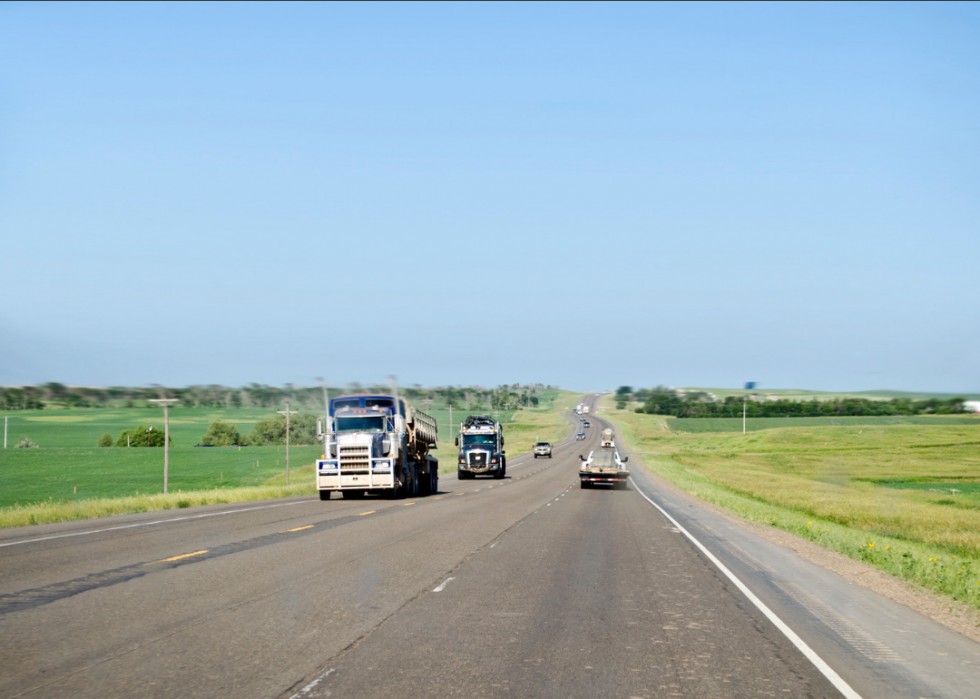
287 412
745 403
165 402
5 418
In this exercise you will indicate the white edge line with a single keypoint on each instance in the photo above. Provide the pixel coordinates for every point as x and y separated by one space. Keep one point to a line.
827 671
146 524
308 688
442 586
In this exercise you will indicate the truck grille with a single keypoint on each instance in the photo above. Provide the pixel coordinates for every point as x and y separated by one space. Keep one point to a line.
478 459
355 458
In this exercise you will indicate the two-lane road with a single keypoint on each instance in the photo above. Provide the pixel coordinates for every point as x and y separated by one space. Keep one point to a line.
528 586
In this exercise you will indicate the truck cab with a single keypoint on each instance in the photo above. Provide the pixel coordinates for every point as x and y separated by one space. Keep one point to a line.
376 444
481 448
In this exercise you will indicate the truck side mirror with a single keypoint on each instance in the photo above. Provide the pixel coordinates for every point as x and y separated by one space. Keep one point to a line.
581 458
625 459
319 429
457 441
501 441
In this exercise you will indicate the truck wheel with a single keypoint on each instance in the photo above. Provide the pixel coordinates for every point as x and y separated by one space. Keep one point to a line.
499 473
461 475
433 483
324 494
585 485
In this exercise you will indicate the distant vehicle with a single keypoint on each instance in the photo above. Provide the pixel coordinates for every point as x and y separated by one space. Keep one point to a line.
376 444
586 424
542 449
604 467
580 436
585 409
607 438
481 448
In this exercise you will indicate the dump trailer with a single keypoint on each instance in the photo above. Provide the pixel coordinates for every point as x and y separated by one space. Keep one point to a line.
604 467
481 448
376 444
585 409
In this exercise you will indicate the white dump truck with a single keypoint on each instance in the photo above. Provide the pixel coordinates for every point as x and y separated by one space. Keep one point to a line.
376 444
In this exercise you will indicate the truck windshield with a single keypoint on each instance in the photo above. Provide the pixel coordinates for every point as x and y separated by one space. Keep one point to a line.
471 439
360 424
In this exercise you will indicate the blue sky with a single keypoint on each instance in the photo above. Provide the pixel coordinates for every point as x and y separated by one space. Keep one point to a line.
584 195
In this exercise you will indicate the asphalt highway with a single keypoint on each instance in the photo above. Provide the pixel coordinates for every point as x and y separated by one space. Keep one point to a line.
525 587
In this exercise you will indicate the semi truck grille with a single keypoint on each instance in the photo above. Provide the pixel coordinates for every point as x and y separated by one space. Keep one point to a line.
355 458
478 459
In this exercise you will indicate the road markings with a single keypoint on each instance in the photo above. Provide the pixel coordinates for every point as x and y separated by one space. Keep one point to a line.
825 669
298 529
157 521
407 504
442 586
309 688
367 513
177 558
439 498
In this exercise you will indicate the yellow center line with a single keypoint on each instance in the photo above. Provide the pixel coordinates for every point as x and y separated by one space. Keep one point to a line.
438 498
489 486
461 493
298 529
177 558
407 504
477 490
367 513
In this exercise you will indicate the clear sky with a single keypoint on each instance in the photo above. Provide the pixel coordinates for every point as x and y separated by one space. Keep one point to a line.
584 195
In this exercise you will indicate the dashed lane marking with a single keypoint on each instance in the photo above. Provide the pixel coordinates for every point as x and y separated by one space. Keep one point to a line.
309 688
177 558
442 585
367 513
298 529
407 504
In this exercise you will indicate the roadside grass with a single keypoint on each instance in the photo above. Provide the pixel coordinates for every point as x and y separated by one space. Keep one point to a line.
66 511
875 495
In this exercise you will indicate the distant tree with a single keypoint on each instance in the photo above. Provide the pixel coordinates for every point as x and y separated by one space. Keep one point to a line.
272 432
105 440
221 434
139 437
26 443
624 390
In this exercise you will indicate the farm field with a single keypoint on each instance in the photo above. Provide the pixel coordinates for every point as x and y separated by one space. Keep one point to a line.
752 424
904 497
801 394
68 473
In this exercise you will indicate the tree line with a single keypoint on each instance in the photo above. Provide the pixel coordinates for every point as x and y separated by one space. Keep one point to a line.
254 395
663 401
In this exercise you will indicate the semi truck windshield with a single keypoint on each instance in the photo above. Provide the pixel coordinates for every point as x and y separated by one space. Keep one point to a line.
360 424
470 439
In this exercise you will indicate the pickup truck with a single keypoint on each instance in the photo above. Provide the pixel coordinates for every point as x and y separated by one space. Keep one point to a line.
542 449
604 467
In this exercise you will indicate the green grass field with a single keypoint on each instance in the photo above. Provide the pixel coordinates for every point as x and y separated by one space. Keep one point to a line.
801 394
752 424
69 477
903 497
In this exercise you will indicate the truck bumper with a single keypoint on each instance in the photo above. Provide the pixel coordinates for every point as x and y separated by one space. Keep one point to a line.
618 478
356 481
